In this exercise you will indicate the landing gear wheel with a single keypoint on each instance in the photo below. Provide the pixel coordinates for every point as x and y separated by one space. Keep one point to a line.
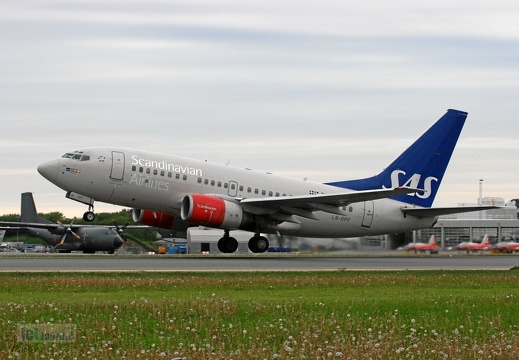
258 244
227 245
89 216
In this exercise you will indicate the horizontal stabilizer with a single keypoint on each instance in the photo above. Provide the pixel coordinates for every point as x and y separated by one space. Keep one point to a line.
432 212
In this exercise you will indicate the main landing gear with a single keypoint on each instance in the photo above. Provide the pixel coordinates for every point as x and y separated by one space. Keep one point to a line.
258 244
228 244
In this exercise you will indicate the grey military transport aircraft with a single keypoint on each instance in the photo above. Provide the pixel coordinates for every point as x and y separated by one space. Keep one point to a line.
175 192
67 238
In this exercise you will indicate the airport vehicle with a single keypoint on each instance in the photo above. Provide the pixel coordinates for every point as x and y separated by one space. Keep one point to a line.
469 246
66 238
431 246
174 192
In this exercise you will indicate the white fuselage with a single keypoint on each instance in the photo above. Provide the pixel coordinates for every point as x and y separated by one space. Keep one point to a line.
159 182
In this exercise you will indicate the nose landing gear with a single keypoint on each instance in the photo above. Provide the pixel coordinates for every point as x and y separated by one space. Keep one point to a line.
88 215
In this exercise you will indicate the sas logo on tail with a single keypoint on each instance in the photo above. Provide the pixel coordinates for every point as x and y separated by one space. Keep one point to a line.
413 182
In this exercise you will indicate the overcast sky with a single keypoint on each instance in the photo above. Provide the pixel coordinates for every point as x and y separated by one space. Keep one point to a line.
323 90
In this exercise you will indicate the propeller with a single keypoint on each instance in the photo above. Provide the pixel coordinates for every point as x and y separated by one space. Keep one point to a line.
68 230
120 229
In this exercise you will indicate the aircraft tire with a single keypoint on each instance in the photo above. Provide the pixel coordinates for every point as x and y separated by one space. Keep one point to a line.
227 245
258 244
89 216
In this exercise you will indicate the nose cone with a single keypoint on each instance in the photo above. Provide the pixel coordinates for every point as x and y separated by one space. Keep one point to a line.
49 170
118 241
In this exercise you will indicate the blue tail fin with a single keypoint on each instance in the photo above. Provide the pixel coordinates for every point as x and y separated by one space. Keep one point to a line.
421 166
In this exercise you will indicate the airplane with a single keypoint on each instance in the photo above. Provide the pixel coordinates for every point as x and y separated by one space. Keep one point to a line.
469 246
66 238
174 192
431 246
505 247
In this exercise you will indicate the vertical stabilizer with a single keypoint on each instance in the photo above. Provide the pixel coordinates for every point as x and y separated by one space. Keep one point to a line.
421 166
28 210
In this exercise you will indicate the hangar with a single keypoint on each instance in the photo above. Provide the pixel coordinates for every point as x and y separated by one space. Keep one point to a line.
499 224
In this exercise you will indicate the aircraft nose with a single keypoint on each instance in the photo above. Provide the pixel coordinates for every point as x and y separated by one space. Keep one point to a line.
118 241
49 170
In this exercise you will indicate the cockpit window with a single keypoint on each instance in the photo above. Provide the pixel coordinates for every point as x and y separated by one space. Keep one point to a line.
76 155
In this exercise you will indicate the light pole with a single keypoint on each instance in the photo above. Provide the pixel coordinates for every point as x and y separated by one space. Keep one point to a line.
480 192
480 197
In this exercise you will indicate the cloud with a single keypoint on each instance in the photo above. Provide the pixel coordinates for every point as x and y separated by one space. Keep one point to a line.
325 91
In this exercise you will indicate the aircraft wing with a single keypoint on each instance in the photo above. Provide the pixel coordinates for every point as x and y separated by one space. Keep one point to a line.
431 212
12 225
324 202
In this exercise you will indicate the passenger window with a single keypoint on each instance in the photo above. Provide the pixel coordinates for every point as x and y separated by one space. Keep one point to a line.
184 177
256 191
277 194
199 180
134 168
213 182
141 169
206 181
249 189
241 187
170 174
155 172
263 192
225 185
177 176
219 184
162 173
148 170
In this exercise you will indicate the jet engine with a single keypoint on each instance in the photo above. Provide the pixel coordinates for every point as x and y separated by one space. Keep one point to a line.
156 219
212 211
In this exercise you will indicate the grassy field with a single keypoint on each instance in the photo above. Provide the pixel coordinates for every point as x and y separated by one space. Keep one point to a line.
314 315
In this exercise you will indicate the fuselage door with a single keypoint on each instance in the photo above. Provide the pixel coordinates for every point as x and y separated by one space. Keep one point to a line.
369 210
233 188
117 172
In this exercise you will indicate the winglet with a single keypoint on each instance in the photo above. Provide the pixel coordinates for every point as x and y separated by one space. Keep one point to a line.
422 165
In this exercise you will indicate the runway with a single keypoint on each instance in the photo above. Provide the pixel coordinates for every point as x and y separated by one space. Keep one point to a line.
73 262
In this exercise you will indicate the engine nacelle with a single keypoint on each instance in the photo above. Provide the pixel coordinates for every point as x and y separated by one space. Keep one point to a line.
153 218
211 211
